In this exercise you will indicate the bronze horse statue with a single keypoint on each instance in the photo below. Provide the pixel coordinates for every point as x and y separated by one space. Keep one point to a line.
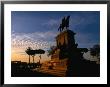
65 23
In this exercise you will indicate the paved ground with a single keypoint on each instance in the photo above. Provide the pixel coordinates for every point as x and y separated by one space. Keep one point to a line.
29 73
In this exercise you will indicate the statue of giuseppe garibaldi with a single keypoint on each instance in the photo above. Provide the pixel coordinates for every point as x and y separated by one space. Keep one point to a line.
64 24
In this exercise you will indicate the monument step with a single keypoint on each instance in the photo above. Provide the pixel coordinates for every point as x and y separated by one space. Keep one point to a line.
56 68
53 72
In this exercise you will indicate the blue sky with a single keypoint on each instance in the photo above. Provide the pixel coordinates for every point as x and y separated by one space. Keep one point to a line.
38 29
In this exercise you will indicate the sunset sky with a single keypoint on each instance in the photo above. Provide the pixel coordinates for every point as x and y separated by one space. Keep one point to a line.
38 29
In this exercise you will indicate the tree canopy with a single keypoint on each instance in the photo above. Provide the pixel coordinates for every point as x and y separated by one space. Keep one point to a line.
30 51
95 51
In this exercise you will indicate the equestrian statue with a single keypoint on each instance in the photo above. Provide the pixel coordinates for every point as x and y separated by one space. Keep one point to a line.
64 24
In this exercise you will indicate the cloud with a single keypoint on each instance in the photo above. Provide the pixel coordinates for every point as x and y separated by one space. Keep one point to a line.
40 40
76 20
37 40
52 22
82 20
86 39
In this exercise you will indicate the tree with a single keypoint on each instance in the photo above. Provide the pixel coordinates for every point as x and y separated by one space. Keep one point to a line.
32 52
95 51
28 51
40 51
51 50
33 57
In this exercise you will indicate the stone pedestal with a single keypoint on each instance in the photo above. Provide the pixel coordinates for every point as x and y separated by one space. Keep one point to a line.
65 43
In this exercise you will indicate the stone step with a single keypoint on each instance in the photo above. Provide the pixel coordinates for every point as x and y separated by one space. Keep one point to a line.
60 71
53 72
56 68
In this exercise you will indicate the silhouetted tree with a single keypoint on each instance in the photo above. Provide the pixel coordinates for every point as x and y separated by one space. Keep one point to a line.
95 51
32 52
40 51
33 57
51 50
28 51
